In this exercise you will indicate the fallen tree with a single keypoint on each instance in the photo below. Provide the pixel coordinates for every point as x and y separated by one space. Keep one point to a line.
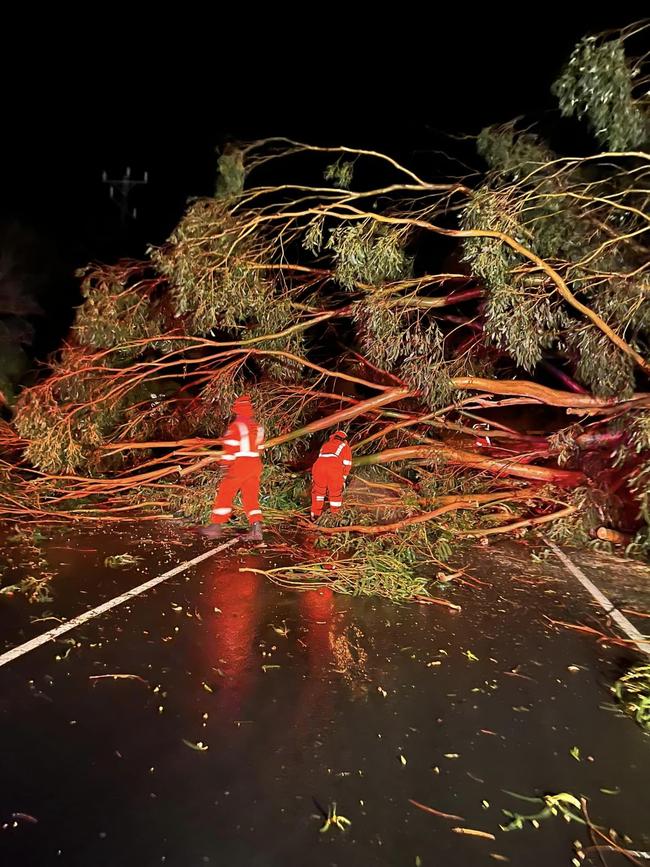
318 280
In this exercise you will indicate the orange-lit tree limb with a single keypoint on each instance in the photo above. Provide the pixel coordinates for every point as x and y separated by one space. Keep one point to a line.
541 393
569 478
335 419
466 502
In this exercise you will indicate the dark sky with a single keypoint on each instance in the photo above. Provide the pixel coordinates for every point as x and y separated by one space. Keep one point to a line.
125 95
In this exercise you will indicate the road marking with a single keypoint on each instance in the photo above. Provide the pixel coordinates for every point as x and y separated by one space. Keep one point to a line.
608 607
51 634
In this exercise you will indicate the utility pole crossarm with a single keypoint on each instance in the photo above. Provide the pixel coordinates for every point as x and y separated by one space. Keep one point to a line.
121 188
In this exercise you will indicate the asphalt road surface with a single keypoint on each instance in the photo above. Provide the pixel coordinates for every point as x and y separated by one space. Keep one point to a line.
243 712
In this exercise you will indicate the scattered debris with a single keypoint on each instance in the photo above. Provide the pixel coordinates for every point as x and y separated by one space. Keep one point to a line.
435 812
37 590
633 692
334 820
472 832
199 747
551 805
283 630
117 561
119 677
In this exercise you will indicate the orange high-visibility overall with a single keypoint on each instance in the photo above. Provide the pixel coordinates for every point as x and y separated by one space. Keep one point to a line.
329 474
242 443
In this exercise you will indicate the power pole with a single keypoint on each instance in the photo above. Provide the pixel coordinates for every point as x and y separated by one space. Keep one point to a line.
120 190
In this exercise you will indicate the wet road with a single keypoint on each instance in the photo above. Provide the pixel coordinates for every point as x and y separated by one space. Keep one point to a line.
302 700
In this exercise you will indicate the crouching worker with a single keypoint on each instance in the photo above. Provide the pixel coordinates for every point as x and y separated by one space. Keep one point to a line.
242 444
329 474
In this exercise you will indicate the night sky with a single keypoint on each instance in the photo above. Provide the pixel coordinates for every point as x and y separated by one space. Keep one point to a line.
163 104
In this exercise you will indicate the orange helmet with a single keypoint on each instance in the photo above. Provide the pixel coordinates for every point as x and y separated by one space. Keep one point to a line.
243 406
340 435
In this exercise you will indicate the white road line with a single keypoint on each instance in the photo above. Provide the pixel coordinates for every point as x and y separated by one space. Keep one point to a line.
22 649
620 619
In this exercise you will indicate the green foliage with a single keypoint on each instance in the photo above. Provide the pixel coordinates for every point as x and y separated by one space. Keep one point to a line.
398 566
119 561
194 500
423 368
216 283
420 548
24 569
340 173
606 370
368 252
524 322
510 152
408 344
561 804
522 317
206 262
269 319
282 412
597 85
633 692
66 424
566 210
542 206
639 484
384 331
379 574
117 309
640 432
367 568
314 235
594 509
563 444
601 366
55 443
525 196
231 173
283 491
437 478
497 211
639 547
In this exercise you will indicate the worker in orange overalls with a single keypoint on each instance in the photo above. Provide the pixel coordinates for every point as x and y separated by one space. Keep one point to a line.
329 474
242 443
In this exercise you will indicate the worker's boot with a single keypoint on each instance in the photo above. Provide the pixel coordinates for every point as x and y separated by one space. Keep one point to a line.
254 534
212 531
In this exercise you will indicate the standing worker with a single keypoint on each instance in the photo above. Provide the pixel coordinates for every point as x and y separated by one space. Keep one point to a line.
329 474
242 444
